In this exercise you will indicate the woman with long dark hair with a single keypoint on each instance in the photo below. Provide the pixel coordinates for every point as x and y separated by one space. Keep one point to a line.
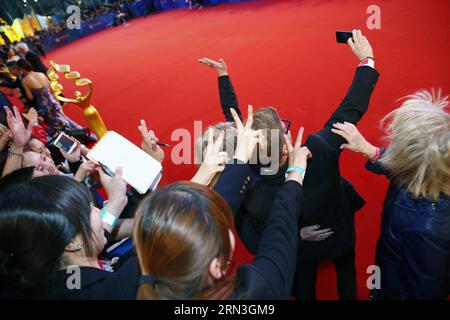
48 229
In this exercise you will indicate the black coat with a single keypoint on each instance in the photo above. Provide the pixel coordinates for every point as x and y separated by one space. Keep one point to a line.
122 284
330 200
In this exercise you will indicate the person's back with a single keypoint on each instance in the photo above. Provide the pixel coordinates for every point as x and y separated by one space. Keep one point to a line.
405 220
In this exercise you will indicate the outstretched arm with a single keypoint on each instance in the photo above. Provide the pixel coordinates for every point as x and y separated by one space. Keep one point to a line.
272 272
356 142
228 98
356 101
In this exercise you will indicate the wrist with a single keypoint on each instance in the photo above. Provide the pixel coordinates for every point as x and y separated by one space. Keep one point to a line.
117 202
16 148
295 176
370 151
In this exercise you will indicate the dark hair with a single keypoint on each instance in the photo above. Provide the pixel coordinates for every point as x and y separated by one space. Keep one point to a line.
12 65
178 231
38 219
16 177
25 65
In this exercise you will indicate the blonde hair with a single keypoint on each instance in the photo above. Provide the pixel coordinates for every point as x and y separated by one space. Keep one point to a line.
418 155
229 142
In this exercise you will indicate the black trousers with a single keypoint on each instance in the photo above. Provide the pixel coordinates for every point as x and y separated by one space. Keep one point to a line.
306 276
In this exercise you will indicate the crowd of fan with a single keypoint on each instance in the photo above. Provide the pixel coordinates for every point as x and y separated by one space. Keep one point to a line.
179 241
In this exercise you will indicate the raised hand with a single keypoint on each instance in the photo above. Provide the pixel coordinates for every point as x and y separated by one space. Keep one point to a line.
247 138
214 159
75 155
20 134
115 186
220 66
355 140
149 144
32 115
313 233
360 45
298 156
85 169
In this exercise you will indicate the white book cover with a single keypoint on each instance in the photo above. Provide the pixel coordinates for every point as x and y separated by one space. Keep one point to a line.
140 170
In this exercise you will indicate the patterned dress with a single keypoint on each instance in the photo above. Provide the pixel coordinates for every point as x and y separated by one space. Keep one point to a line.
49 108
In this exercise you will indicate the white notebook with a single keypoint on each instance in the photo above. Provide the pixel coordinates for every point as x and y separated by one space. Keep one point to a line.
140 170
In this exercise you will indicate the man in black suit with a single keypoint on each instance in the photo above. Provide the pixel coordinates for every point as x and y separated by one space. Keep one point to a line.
32 58
330 200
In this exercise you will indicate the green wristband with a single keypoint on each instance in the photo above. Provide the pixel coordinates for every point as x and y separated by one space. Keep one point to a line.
300 170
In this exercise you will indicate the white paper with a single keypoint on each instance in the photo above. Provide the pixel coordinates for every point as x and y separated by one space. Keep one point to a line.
140 170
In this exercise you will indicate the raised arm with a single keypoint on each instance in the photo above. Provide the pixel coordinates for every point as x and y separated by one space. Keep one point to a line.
228 98
356 101
272 272
356 142
20 136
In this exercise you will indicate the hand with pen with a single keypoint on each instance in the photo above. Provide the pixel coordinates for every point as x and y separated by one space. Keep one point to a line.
150 143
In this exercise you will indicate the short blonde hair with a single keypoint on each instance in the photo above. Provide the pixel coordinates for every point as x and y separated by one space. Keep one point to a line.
418 155
229 142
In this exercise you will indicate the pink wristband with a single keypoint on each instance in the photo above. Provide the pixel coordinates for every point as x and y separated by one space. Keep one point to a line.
377 156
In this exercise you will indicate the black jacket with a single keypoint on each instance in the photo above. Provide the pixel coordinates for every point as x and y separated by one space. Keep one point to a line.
98 284
271 274
330 200
413 251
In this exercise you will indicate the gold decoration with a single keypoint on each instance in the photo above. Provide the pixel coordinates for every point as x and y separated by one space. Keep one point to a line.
91 114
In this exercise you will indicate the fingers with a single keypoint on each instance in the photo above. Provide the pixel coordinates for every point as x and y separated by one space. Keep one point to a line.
143 129
356 37
298 141
351 44
9 115
343 129
321 232
236 119
288 143
341 133
249 122
219 142
322 236
207 61
119 172
307 152
209 146
16 112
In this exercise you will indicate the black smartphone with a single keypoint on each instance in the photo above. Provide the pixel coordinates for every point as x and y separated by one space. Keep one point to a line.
343 36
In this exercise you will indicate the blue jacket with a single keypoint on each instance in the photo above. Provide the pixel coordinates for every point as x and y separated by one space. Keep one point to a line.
413 251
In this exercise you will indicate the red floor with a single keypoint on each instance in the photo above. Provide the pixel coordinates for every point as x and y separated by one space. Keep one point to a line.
280 53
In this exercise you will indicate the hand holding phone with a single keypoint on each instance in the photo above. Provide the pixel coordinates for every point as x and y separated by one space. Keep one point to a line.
65 143
343 36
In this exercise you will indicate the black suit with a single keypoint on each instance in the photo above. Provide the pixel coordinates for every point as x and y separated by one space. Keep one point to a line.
36 62
330 200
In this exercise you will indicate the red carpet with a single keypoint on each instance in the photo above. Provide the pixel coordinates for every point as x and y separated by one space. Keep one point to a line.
280 53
